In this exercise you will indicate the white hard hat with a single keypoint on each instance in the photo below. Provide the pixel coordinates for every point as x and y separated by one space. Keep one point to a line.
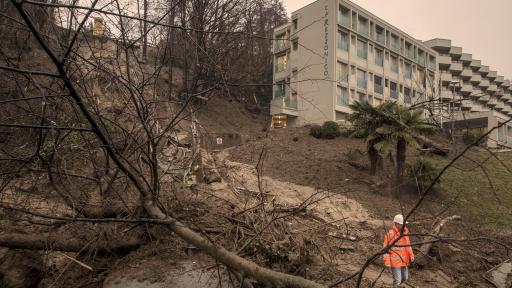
399 219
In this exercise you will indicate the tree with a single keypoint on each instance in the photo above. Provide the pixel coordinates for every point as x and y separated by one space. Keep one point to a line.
401 127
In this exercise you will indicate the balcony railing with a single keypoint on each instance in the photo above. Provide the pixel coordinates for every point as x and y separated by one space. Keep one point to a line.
280 67
363 29
342 100
407 99
279 93
361 83
380 39
393 94
379 61
290 103
344 20
378 88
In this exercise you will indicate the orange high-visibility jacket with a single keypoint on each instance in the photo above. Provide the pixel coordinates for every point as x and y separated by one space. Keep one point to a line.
398 256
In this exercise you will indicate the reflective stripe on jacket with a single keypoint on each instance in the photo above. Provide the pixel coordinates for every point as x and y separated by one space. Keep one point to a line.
398 256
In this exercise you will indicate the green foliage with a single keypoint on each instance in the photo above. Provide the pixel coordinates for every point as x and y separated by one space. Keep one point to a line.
470 137
316 131
424 171
329 130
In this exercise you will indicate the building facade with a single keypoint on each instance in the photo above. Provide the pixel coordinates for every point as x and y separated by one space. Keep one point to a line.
334 52
475 98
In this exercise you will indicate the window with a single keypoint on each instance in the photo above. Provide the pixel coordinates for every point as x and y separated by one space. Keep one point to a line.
432 62
295 24
295 45
281 63
342 72
393 64
407 95
409 50
361 79
395 43
344 16
342 40
280 43
363 25
377 85
380 35
342 97
393 90
379 57
280 89
421 57
408 71
362 49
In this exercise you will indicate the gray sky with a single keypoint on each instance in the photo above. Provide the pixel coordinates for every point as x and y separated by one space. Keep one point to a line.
480 27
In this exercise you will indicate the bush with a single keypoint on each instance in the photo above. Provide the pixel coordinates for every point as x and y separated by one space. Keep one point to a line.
329 130
424 171
316 131
469 138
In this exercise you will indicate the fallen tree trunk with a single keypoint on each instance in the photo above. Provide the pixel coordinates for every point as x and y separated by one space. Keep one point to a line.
422 258
66 244
430 145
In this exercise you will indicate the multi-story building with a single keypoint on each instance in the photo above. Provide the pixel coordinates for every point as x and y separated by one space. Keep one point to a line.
474 97
334 52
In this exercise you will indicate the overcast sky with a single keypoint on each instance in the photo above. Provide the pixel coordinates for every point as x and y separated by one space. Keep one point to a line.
481 27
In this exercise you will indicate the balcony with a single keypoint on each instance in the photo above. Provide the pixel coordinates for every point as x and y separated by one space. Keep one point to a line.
476 94
467 104
361 83
446 94
446 77
439 43
380 39
456 51
492 74
456 67
484 98
484 83
466 88
492 102
466 73
475 64
484 70
500 106
466 58
506 83
492 88
499 79
377 88
344 20
476 78
444 61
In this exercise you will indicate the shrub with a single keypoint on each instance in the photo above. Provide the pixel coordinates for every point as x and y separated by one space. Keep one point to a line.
424 171
330 130
316 131
470 137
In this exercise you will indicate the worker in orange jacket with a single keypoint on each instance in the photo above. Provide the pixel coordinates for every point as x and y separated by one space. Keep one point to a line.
400 255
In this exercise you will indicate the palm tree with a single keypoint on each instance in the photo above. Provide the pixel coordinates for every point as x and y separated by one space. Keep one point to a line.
404 127
366 119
